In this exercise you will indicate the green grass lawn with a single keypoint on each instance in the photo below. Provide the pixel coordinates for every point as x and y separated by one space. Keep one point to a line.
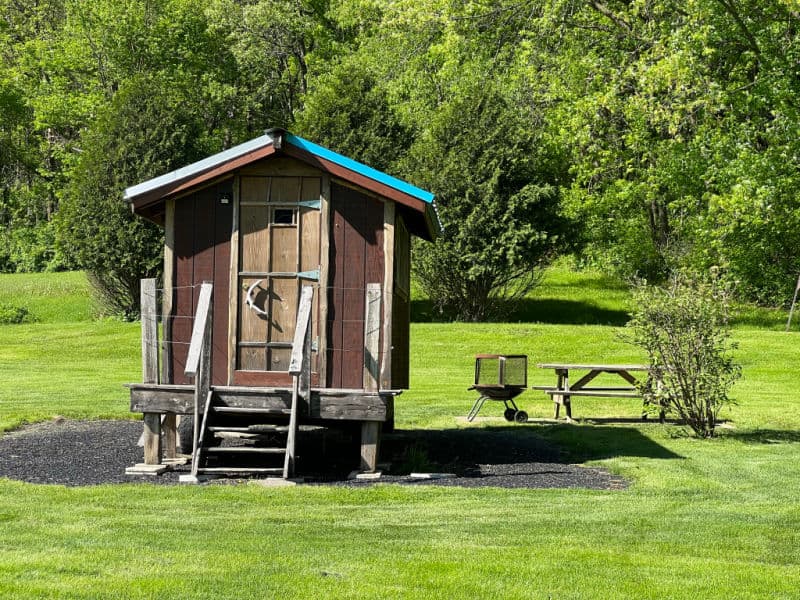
701 519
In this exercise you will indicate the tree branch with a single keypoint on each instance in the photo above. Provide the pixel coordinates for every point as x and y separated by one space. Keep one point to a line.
606 12
734 14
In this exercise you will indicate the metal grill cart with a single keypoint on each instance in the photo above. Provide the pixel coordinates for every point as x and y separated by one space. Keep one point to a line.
500 377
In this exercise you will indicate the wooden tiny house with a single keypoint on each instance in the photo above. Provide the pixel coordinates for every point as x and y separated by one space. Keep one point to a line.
259 222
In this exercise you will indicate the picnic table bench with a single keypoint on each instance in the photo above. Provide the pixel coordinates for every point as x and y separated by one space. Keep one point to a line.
563 391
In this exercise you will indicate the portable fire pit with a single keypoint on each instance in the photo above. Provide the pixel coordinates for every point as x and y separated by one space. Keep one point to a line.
500 377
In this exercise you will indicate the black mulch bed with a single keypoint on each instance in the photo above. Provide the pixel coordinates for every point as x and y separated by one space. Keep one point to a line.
80 453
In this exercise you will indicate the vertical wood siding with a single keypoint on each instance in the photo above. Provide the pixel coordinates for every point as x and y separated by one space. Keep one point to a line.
401 306
202 253
356 259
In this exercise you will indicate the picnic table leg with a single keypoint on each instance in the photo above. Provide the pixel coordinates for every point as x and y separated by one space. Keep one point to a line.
558 399
563 384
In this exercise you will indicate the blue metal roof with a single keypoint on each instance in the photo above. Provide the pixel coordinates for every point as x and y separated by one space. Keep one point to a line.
360 168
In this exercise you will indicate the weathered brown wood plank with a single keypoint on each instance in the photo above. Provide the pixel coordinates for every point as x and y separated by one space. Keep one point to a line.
370 445
223 214
152 438
388 294
324 278
200 329
184 299
303 320
167 298
149 330
336 293
233 282
338 405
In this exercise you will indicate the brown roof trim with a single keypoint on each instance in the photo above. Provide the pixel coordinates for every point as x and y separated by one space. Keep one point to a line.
174 188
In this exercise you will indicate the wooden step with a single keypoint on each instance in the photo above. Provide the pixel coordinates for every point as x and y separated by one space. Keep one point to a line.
243 450
236 410
249 429
242 470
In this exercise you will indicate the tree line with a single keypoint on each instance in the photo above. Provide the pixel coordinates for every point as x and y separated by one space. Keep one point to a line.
642 136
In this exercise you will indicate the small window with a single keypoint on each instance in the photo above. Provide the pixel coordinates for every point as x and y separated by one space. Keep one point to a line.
283 216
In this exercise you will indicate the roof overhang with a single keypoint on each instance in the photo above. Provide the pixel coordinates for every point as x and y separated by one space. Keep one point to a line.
417 205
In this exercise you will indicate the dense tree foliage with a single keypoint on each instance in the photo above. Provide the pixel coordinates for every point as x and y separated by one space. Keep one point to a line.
644 135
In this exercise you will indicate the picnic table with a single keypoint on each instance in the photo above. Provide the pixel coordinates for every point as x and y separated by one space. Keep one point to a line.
563 392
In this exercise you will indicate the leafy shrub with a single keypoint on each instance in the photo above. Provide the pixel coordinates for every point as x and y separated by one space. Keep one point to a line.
683 327
11 314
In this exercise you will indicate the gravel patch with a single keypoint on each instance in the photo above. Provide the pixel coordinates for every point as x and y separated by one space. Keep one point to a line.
74 453
82 453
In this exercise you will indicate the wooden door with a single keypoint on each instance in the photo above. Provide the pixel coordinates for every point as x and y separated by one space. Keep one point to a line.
279 251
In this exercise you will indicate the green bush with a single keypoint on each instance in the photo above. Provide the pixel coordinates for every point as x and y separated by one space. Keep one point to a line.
12 315
683 327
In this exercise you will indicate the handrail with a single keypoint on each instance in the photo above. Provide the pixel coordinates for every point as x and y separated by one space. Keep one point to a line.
198 361
300 370
202 320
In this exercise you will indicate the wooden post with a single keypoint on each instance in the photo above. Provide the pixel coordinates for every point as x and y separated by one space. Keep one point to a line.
152 421
370 445
371 430
324 270
149 331
169 424
388 293
152 439
233 285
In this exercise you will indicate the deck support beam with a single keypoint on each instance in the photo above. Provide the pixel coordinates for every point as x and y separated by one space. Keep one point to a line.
151 436
152 439
370 445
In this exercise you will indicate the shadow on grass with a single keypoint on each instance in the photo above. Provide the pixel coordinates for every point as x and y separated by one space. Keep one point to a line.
595 442
532 310
533 455
558 443
763 436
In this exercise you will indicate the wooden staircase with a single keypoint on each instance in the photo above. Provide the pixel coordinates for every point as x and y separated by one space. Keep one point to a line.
251 423
245 441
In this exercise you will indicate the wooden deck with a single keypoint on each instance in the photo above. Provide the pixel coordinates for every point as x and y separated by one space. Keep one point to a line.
327 404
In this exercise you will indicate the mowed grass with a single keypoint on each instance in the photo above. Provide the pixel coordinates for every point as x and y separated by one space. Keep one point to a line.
700 519
64 363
